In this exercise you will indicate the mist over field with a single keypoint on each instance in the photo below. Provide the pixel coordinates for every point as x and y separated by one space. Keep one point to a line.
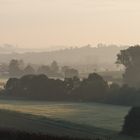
69 70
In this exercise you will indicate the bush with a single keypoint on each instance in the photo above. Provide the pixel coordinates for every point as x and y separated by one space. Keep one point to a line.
132 122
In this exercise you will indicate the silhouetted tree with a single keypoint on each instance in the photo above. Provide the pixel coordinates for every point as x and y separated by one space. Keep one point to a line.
130 58
124 95
11 83
14 69
29 70
91 89
54 67
36 87
132 122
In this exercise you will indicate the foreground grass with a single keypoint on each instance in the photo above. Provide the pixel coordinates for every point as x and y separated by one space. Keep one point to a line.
20 126
7 134
33 124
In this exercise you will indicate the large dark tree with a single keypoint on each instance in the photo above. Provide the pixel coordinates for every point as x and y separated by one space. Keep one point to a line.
91 89
130 58
132 122
36 87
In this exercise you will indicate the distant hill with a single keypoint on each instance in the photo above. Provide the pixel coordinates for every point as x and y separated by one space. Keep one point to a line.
89 58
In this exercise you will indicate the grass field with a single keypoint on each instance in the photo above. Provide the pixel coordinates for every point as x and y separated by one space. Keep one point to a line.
100 115
20 123
65 119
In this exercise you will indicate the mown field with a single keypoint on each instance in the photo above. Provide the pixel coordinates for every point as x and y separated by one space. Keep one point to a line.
100 115
84 120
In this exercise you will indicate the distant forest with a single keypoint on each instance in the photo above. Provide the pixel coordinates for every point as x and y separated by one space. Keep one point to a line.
85 58
92 88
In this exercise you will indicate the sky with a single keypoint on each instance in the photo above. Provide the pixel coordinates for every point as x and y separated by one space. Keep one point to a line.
51 23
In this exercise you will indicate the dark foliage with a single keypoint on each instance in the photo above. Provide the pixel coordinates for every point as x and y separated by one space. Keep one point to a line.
123 95
132 122
36 87
18 135
42 87
130 58
93 88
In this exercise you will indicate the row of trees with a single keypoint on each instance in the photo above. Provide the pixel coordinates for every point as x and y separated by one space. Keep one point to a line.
129 58
17 68
93 88
41 87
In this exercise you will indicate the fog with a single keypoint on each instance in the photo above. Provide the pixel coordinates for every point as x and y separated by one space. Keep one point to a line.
51 23
69 69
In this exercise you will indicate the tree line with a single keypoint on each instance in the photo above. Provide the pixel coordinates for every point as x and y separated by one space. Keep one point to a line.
92 88
17 68
42 87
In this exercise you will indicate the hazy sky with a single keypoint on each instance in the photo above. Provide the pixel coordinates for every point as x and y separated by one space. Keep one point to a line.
45 23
